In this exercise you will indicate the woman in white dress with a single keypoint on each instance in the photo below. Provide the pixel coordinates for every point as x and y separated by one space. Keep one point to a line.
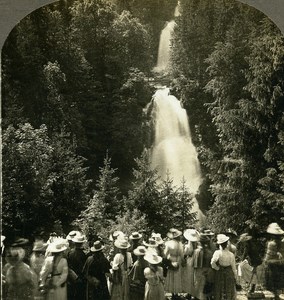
122 262
54 272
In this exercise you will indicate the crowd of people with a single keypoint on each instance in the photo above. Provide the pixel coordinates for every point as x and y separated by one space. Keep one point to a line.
197 264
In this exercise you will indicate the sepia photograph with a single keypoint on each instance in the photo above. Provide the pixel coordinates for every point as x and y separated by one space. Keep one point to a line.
142 149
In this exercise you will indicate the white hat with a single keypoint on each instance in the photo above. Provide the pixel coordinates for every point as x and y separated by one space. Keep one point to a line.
274 228
140 251
151 243
58 245
72 234
98 246
79 239
115 235
222 238
191 235
135 236
157 237
153 258
121 243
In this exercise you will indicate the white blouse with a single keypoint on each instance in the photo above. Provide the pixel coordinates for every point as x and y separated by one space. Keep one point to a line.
224 258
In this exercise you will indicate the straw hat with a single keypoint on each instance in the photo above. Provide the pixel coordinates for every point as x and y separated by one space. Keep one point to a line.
157 237
97 246
135 236
72 234
191 235
39 246
174 233
153 258
79 239
244 237
151 243
222 238
140 251
121 243
274 228
208 232
59 245
231 232
115 235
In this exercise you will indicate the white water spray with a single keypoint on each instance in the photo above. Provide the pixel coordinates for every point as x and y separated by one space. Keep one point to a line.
173 150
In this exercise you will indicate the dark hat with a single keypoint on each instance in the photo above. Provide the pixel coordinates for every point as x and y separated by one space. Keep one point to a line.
39 246
231 232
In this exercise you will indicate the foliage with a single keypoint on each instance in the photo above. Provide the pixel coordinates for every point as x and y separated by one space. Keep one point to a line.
43 180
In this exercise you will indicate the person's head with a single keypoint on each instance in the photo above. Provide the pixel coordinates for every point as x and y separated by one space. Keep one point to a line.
97 248
192 236
153 259
174 234
39 248
15 255
122 244
222 240
57 247
275 231
79 240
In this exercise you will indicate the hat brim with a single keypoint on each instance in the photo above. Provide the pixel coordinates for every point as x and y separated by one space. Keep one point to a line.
153 262
223 241
93 249
119 246
138 253
54 250
172 236
136 238
278 232
150 245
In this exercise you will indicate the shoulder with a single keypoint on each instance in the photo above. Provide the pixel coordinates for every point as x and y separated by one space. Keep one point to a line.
147 271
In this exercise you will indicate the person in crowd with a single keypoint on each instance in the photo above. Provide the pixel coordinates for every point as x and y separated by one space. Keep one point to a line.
160 251
274 260
122 262
113 250
53 275
70 236
20 280
76 260
174 254
223 261
151 245
37 259
232 243
203 273
250 269
188 287
135 239
154 288
96 270
136 275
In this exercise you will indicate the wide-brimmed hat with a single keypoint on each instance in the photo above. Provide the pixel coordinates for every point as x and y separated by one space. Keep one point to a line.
191 235
72 234
157 237
121 243
97 246
174 233
115 235
208 232
151 243
135 236
79 239
274 228
153 258
140 251
222 238
57 246
39 246
244 237
231 232
20 242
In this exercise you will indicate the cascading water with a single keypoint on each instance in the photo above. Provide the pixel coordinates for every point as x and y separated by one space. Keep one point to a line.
173 150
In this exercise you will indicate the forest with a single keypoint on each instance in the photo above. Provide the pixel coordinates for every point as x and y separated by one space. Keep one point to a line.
76 77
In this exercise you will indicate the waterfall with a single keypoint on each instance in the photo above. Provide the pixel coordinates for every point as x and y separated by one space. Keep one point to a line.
173 150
